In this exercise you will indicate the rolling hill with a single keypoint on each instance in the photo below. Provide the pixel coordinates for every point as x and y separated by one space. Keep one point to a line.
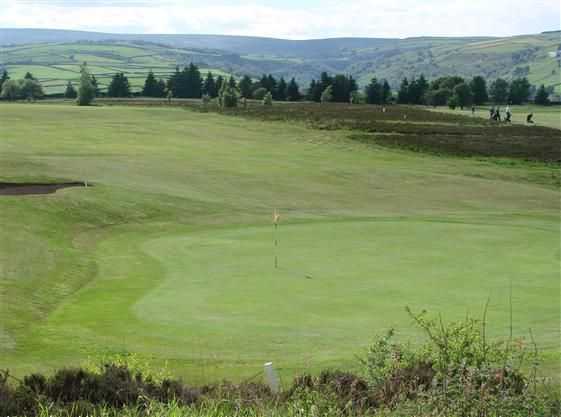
53 56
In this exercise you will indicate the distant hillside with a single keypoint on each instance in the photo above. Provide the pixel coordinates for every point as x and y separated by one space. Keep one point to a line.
534 56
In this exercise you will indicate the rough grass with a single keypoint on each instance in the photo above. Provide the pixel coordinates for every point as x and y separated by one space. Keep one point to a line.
170 255
417 129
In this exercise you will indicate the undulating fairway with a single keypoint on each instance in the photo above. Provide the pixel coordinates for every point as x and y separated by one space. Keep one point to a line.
170 253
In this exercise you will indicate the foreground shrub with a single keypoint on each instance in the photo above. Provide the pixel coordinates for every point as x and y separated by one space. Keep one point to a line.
457 372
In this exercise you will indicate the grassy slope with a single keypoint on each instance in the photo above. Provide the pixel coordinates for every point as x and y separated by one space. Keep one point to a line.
55 64
170 254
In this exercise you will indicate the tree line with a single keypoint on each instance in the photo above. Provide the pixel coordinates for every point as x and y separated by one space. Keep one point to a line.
189 82
27 88
456 91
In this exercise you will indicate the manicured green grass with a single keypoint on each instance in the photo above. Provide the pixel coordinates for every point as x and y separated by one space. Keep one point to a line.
170 254
549 116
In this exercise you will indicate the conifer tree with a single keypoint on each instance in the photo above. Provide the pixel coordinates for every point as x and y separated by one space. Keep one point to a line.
70 91
209 86
386 92
373 92
246 86
281 90
151 88
542 96
403 94
293 91
119 86
5 77
478 87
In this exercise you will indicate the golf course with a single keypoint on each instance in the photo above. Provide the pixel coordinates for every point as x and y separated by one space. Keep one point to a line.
165 247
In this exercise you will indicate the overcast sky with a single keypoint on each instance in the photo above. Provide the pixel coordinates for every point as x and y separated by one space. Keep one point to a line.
295 19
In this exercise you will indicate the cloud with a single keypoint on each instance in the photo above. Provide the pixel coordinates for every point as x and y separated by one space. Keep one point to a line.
288 19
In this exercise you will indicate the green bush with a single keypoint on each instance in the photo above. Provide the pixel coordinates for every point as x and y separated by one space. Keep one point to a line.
268 99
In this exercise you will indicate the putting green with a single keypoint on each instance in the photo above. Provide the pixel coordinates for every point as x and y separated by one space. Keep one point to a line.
215 297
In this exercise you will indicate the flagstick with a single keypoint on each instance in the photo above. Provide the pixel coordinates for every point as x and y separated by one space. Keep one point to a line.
276 245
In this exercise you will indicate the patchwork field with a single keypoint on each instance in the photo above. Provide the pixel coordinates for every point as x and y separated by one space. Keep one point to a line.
54 64
169 253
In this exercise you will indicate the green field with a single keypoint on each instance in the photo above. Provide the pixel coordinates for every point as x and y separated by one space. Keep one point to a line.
54 64
549 116
170 254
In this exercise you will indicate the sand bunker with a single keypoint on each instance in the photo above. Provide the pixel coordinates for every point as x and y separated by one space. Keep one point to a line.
11 188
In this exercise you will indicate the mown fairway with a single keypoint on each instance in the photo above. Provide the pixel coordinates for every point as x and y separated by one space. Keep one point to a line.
170 254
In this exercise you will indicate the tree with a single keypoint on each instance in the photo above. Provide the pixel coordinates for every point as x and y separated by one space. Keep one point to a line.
229 94
31 89
438 97
193 82
542 96
151 87
416 90
293 91
268 99
327 95
519 91
10 90
462 95
86 90
161 88
70 91
386 92
281 90
96 86
246 86
5 77
272 85
374 92
219 84
478 87
119 86
357 97
314 91
187 83
403 94
172 83
259 94
499 91
209 86
342 87
28 76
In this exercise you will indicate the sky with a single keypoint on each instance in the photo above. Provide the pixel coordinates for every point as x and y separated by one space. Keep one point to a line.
290 19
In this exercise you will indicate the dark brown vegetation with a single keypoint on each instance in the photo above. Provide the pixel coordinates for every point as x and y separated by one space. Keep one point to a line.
408 127
418 129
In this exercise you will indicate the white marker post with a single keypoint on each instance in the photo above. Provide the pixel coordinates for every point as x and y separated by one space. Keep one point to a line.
272 378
